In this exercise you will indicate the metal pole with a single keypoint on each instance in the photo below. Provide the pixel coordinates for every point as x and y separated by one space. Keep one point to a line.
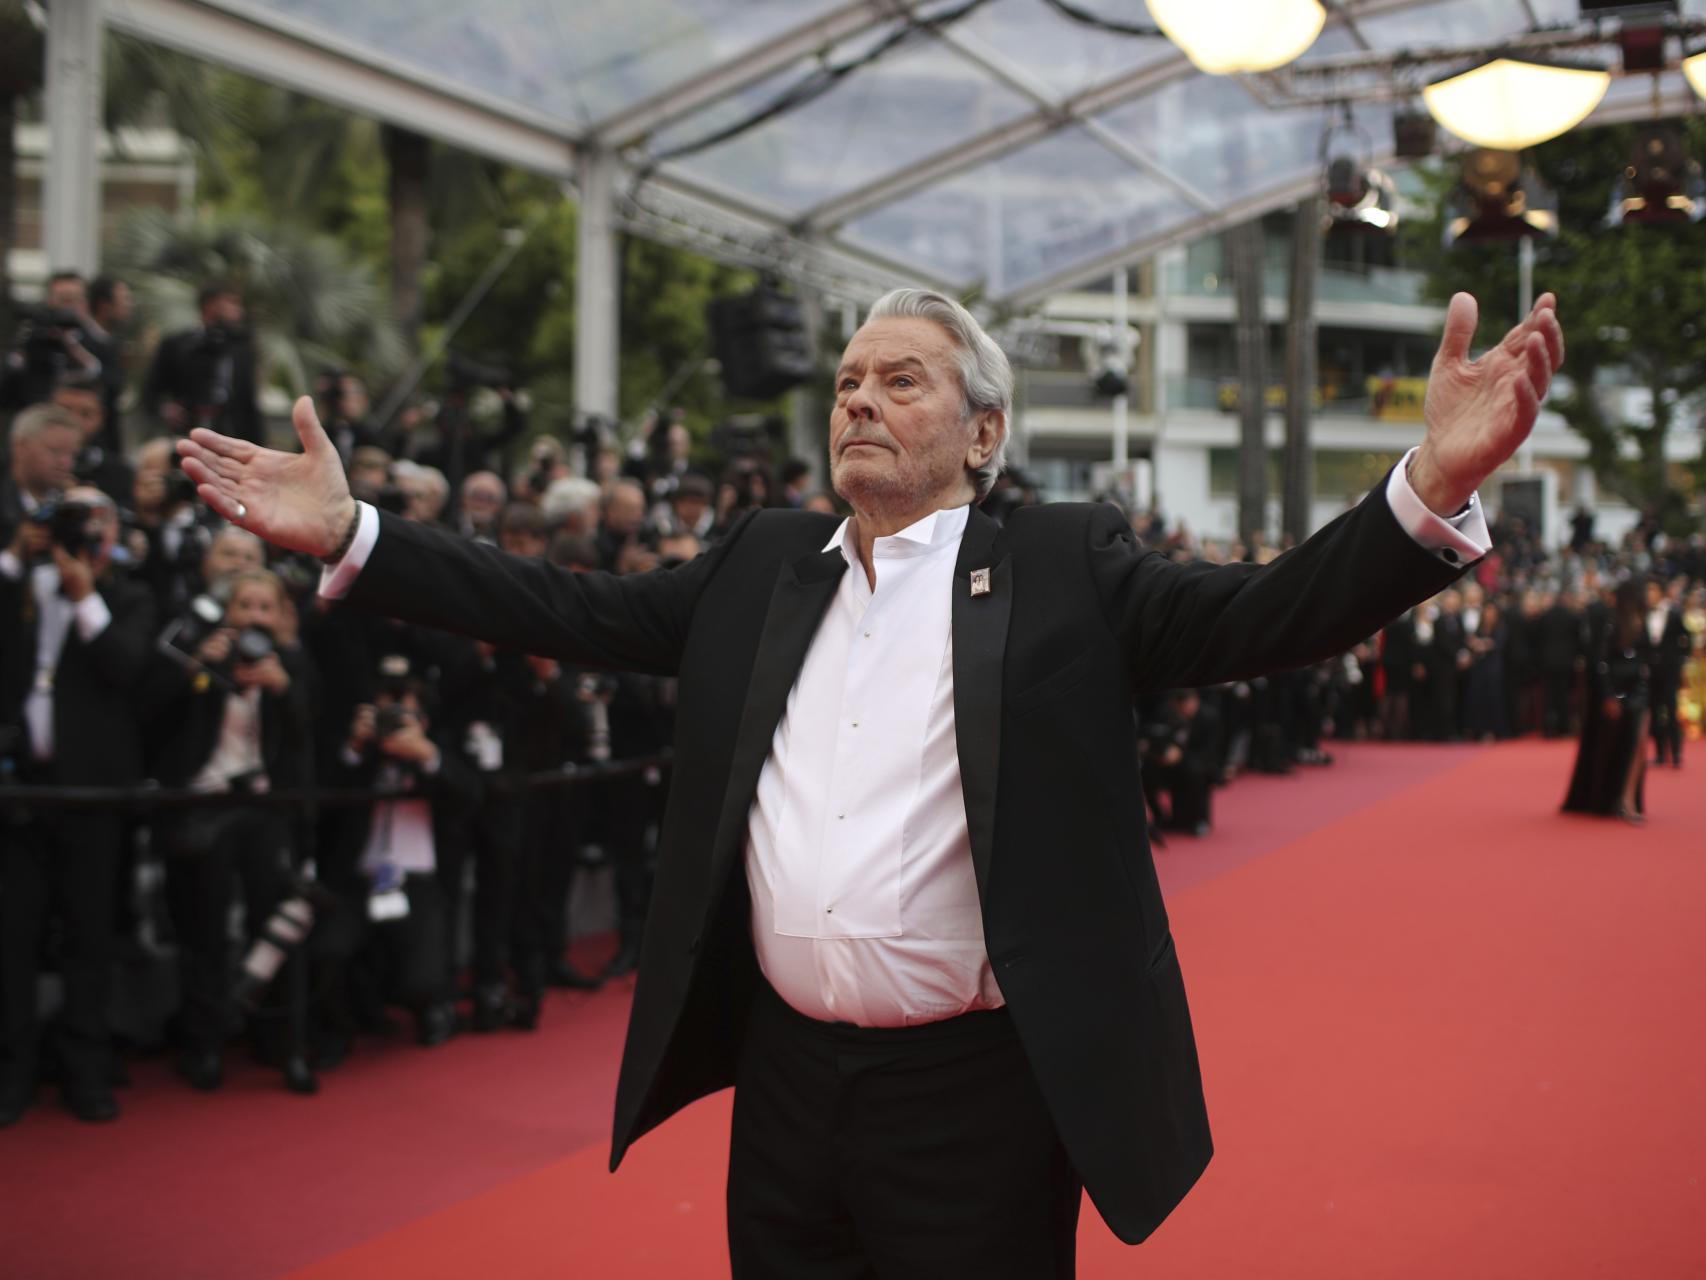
1245 249
1300 354
1524 276
1122 402
598 305
71 178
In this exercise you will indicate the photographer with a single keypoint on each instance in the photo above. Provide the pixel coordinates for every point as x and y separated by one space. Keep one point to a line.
231 716
391 869
45 440
463 447
111 306
74 639
97 463
205 376
56 340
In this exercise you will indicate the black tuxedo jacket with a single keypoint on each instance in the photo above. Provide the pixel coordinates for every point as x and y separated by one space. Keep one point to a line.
1078 620
97 741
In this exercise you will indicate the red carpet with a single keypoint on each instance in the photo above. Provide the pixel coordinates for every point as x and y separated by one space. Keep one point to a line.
1444 1031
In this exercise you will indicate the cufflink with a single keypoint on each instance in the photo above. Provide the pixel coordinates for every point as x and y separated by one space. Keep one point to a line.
1450 554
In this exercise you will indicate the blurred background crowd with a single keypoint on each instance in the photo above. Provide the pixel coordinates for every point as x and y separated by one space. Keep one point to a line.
238 814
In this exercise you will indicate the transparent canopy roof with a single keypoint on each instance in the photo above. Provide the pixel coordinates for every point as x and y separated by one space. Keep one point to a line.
1002 145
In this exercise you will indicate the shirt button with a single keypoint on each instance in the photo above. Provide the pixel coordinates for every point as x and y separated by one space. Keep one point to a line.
855 724
867 635
840 816
829 911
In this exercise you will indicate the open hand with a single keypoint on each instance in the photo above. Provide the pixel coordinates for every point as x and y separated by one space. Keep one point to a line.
299 501
1480 411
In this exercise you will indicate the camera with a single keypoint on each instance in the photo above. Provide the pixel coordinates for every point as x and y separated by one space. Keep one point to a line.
71 524
389 720
252 645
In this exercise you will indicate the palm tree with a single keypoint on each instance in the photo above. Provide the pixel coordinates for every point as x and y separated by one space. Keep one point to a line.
311 305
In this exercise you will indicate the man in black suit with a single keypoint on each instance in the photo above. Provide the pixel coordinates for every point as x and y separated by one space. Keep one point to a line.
74 639
944 987
205 376
1671 648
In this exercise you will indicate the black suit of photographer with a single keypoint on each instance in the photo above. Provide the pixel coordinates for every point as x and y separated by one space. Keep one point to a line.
210 850
210 373
66 859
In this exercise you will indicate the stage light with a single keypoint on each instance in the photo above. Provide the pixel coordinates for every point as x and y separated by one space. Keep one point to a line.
1509 103
1694 68
1661 184
1223 36
1413 134
1497 199
1360 198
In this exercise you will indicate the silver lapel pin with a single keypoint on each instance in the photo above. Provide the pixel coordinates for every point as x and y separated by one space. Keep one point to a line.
980 582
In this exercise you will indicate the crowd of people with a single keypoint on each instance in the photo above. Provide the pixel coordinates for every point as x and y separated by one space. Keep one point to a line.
308 817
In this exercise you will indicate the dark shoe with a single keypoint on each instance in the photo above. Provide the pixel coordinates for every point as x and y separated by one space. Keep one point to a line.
1200 830
299 1077
437 1023
202 1069
1631 817
624 962
564 974
491 1009
524 1013
92 1104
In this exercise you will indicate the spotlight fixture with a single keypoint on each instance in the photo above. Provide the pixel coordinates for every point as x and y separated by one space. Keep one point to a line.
1661 184
1360 198
1507 104
1497 199
1223 36
1413 134
1694 68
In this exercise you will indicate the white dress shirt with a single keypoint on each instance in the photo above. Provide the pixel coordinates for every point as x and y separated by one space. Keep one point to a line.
864 899
864 902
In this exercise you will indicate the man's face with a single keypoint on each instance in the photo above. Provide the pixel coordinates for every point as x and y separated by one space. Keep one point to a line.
1655 595
518 542
899 431
352 396
482 496
71 295
121 306
254 604
626 511
84 404
224 308
231 552
690 509
366 479
45 462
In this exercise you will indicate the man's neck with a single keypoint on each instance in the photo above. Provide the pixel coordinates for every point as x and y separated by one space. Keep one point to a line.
869 525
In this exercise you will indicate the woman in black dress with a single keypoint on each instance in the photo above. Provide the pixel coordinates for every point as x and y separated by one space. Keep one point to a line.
1484 699
1611 760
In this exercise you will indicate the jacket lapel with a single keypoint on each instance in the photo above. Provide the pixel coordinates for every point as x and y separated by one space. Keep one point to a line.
980 645
802 594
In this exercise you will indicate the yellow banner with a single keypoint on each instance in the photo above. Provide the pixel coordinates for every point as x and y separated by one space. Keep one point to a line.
1397 399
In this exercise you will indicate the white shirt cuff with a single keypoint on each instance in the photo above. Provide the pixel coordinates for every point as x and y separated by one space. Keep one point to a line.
1458 540
336 579
92 616
11 566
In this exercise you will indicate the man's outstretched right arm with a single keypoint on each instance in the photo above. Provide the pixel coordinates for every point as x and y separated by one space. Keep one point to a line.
430 576
301 501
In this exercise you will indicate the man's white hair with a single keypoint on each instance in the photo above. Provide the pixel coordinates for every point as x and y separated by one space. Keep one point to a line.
567 496
985 376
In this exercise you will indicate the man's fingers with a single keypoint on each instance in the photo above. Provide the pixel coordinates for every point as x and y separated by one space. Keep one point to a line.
222 502
1547 326
307 423
1460 319
1539 365
224 446
199 471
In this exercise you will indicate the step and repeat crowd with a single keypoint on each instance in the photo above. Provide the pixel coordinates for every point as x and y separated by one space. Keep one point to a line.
236 817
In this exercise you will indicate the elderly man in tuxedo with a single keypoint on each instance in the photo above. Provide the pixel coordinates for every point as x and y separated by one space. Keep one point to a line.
904 901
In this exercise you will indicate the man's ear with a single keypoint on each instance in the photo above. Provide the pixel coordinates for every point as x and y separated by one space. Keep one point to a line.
989 430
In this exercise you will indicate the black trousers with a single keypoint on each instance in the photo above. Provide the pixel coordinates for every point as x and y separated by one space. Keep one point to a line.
1667 724
887 1154
209 854
489 837
65 863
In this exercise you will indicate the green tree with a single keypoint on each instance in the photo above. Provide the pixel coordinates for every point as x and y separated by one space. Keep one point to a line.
1632 300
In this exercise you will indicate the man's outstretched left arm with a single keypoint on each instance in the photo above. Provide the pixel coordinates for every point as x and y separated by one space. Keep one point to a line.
1200 624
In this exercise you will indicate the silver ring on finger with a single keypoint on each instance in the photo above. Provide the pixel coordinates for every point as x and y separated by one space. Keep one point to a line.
242 513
